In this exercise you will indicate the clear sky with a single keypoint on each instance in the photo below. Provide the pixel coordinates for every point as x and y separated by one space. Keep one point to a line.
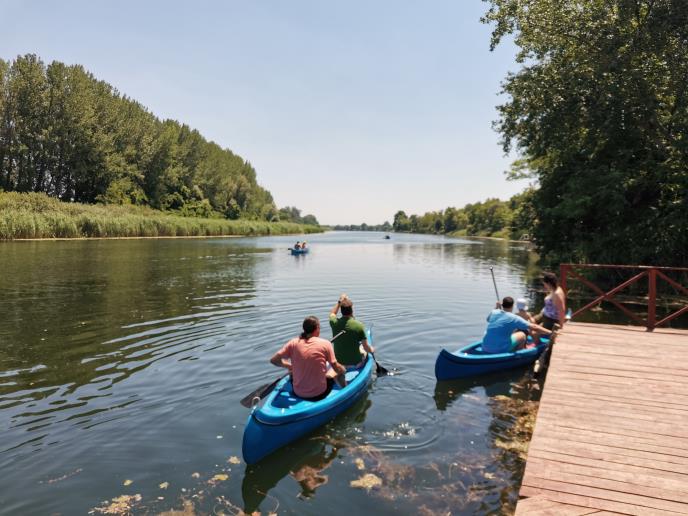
348 110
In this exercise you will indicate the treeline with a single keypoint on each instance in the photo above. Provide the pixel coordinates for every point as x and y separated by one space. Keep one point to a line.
73 137
514 219
386 226
599 114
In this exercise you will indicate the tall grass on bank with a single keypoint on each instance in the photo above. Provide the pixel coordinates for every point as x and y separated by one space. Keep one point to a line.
35 215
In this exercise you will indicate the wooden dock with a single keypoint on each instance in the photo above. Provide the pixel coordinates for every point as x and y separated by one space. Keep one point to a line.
611 435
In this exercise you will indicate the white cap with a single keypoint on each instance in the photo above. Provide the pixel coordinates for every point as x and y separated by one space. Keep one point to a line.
521 304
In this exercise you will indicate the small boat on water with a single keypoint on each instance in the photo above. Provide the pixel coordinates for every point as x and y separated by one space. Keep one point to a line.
471 360
387 237
299 251
283 417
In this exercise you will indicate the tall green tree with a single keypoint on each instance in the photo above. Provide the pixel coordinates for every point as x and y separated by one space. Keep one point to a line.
67 134
599 112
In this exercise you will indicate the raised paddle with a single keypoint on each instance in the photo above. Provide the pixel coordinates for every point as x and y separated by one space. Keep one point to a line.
494 282
264 390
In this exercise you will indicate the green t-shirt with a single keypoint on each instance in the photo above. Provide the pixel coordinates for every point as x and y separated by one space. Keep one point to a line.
346 347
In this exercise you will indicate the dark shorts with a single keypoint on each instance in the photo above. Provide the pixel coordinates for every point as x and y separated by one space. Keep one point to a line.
548 322
323 395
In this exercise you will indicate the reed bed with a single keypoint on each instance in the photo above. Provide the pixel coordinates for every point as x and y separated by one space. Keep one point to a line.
35 215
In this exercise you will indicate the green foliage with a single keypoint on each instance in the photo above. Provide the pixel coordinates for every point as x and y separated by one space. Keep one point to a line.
66 134
504 219
599 113
292 214
386 226
35 215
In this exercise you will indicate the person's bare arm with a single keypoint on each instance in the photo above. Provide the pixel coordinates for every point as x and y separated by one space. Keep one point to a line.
335 308
367 347
341 373
539 329
278 361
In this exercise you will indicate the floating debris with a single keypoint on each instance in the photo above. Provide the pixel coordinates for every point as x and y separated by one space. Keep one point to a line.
220 477
119 505
367 482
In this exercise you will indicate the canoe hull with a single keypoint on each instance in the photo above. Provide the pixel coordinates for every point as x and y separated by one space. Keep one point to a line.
270 426
299 251
467 361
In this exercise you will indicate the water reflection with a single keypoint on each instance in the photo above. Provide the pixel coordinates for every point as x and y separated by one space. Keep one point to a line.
305 460
497 384
107 318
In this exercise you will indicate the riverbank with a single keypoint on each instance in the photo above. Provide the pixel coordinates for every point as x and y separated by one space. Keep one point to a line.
32 216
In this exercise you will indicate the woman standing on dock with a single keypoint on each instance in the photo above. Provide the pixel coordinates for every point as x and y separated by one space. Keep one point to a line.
555 302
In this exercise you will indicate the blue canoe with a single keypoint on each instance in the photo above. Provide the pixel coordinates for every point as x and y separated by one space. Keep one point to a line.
472 361
299 251
283 417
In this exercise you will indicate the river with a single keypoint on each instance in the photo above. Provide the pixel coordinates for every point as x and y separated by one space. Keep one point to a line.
122 363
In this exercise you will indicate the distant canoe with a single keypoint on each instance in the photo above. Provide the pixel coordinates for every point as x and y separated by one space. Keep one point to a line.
387 237
300 251
472 361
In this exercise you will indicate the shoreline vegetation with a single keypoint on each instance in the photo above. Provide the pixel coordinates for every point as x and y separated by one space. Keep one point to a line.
119 170
513 219
36 216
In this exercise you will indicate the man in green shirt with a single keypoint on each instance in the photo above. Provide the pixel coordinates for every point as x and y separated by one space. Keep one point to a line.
346 347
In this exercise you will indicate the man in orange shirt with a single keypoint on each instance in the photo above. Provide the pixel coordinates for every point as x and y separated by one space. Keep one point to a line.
307 356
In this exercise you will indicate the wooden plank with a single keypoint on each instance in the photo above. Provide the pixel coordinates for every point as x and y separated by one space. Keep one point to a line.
634 482
541 506
639 394
605 489
591 419
598 399
630 445
604 457
595 502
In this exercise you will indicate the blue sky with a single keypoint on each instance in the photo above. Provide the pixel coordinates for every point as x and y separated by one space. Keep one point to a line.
349 110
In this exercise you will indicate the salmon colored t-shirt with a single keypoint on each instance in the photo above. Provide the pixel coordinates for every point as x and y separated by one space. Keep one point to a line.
309 360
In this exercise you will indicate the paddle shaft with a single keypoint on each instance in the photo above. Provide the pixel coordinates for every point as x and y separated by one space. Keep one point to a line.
494 282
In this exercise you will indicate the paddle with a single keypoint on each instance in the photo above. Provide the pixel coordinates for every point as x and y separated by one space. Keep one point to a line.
264 390
494 282
379 370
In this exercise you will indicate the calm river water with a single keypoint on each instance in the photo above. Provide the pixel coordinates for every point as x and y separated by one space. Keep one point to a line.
122 364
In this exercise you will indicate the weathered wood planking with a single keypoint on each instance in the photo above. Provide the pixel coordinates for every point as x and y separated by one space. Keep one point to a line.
611 435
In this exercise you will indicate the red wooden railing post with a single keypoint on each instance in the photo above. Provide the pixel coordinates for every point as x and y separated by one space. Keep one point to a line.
563 270
651 299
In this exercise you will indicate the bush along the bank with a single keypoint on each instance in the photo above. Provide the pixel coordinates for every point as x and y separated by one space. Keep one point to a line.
35 215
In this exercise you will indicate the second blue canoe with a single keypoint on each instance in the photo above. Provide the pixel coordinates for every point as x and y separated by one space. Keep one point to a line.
471 360
283 417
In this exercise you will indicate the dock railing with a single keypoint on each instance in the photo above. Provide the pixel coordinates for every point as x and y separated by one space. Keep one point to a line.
572 271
